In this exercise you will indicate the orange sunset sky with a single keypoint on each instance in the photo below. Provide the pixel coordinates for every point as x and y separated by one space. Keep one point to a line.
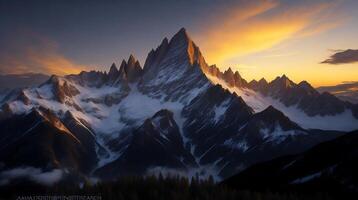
258 38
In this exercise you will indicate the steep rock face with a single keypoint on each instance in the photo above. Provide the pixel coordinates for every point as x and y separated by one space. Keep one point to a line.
113 73
43 141
173 70
62 90
212 117
81 130
327 167
156 144
155 56
23 98
133 69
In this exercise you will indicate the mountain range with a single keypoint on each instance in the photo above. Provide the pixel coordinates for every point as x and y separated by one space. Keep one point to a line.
329 167
174 115
13 81
345 91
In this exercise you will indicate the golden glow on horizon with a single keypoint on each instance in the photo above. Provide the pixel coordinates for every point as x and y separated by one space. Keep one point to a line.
248 30
267 29
55 64
41 56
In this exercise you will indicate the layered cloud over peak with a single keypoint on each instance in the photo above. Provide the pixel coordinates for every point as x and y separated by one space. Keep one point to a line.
343 57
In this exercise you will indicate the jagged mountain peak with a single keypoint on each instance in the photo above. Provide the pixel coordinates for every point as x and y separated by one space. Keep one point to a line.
123 64
180 46
253 82
113 72
271 111
263 81
307 87
229 72
233 79
132 69
193 53
282 82
113 68
304 84
180 60
132 60
23 98
129 70
272 115
237 74
154 56
260 85
181 35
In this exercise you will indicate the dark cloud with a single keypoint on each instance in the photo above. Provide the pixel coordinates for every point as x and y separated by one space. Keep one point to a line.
343 57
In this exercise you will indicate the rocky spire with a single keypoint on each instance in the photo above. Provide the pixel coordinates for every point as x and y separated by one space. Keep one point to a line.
239 81
156 55
263 81
113 69
180 48
193 54
131 61
228 76
178 60
132 68
282 82
181 36
113 73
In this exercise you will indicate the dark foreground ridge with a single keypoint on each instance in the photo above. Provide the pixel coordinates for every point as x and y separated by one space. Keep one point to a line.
151 188
328 167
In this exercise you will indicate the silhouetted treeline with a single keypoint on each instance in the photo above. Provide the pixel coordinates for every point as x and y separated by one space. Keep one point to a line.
150 188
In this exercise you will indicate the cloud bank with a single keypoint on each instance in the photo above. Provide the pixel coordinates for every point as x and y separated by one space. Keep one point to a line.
343 57
32 174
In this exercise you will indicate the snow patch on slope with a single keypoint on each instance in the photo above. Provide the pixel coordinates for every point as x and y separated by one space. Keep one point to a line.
306 178
220 110
278 135
242 145
138 106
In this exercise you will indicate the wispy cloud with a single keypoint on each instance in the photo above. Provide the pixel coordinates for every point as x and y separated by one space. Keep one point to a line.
30 52
34 174
254 26
343 57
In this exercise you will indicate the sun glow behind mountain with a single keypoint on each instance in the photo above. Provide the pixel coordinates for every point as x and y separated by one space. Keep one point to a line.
259 38
265 40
